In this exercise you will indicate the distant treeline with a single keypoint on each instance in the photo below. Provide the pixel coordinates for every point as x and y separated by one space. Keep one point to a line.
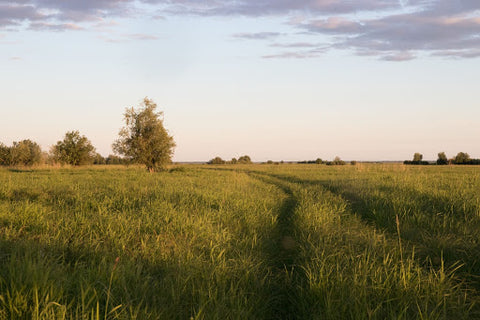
336 162
246 160
74 149
242 160
462 158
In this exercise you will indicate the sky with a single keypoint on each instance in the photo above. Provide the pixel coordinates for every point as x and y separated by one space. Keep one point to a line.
274 79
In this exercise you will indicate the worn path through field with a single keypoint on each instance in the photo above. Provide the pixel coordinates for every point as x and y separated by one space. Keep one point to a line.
459 251
281 252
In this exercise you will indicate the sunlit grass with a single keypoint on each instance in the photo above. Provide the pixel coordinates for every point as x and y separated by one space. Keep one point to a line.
240 242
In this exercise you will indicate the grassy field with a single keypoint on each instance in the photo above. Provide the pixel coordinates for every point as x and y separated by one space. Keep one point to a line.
241 242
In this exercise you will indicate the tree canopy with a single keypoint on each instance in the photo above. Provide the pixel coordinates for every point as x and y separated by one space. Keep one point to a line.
244 159
144 139
74 149
442 158
217 160
462 158
26 153
4 155
417 157
23 153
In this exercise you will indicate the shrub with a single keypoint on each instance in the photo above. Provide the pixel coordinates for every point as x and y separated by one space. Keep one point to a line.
25 153
338 162
216 160
417 160
417 157
74 149
114 159
99 159
442 158
462 158
4 155
244 160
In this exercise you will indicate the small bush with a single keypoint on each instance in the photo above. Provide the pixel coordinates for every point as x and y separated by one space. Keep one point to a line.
442 158
216 160
245 159
23 153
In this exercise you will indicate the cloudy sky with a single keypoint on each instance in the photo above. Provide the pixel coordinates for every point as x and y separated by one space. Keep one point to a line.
275 79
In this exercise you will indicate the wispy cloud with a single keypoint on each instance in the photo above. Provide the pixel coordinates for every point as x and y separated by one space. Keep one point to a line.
13 13
128 37
275 7
295 45
15 58
58 12
398 56
437 27
42 26
257 36
333 25
158 17
388 29
473 53
304 54
142 36
391 30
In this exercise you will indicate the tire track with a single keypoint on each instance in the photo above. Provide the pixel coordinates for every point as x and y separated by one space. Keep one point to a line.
282 255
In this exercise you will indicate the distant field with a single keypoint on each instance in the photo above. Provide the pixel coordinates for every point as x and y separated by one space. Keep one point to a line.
370 241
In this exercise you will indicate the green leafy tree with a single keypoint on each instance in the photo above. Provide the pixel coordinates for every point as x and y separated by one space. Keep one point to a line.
417 157
462 158
25 153
244 160
442 158
99 159
74 149
4 155
338 162
113 159
216 160
144 138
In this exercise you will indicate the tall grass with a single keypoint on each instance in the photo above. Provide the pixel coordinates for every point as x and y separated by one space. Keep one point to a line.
240 242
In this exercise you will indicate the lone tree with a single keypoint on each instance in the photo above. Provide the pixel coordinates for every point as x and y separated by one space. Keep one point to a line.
216 160
74 149
144 139
442 158
244 159
26 153
417 157
462 158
